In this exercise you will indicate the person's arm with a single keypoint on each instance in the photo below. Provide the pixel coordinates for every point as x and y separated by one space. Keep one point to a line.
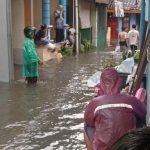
43 36
89 113
43 39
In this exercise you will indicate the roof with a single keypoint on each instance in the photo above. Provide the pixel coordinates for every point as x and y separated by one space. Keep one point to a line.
127 4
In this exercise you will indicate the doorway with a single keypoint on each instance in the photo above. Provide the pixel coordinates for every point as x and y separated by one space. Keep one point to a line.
126 22
113 24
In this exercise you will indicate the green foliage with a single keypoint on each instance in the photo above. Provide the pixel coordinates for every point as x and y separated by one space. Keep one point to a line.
126 55
137 56
67 51
82 50
108 64
88 46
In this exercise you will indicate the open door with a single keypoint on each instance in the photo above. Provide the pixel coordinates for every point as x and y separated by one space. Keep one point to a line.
113 24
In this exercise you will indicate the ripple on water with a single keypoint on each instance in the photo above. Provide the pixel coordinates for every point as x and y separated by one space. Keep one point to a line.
49 115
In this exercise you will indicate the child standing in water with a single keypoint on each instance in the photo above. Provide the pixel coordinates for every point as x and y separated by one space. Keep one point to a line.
30 57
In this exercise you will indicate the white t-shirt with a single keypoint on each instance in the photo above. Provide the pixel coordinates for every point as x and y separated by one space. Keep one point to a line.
133 36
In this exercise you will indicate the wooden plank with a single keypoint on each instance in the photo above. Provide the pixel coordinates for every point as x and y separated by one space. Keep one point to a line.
143 36
27 12
141 54
141 66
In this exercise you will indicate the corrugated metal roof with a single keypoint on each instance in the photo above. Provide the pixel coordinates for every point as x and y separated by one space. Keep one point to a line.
127 4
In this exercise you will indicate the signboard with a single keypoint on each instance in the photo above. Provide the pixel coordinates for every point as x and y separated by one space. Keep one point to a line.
103 1
119 12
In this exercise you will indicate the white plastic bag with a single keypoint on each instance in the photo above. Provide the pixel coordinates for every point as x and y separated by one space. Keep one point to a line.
94 79
117 49
126 66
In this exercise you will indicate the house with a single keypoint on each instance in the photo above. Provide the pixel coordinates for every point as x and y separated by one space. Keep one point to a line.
93 21
30 12
132 10
16 14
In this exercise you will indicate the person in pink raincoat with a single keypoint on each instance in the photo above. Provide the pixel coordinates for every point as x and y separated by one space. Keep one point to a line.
112 114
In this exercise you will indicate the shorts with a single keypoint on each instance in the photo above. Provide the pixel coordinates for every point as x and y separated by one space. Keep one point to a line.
31 80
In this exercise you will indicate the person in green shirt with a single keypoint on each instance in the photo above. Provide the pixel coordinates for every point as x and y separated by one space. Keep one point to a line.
30 57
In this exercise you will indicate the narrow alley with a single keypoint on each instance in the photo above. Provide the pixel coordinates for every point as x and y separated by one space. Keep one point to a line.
49 115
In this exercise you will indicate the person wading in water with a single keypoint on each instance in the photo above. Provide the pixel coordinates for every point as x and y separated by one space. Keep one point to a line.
123 39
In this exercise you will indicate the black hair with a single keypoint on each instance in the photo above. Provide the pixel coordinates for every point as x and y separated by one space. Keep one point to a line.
133 26
43 26
123 28
138 139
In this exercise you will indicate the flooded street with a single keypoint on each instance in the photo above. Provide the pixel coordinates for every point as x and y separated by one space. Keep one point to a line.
49 115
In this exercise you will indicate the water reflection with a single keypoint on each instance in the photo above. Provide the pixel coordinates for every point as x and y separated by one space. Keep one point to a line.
49 115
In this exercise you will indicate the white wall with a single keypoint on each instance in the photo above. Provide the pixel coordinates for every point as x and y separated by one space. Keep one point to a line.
18 24
5 44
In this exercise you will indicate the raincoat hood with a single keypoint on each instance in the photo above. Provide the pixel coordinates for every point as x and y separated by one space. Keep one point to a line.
110 82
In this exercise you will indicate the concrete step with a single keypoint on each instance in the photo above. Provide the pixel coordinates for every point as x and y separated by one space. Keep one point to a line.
45 54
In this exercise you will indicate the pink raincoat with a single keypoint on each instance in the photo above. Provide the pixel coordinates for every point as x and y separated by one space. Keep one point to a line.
112 114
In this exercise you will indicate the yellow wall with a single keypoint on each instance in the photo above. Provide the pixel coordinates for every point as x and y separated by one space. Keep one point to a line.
17 23
54 5
37 13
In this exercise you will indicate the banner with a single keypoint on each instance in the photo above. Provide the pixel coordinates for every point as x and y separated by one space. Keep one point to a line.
119 12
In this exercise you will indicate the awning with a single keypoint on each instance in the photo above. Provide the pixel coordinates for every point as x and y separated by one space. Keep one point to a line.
127 4
103 1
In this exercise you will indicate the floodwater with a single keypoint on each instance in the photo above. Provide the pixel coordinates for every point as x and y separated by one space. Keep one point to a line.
49 115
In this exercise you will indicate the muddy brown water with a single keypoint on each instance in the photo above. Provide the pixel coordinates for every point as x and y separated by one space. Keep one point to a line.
49 115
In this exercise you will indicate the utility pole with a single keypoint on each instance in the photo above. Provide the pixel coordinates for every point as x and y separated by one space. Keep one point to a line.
77 25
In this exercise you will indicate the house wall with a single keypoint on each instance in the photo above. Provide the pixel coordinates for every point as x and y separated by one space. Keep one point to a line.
102 27
93 22
37 13
70 13
53 6
18 24
6 64
119 25
132 20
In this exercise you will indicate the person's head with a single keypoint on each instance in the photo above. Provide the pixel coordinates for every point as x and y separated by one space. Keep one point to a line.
29 32
110 81
60 7
123 28
43 27
133 26
138 139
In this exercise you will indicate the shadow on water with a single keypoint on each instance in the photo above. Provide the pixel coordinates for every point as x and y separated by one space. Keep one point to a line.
49 115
